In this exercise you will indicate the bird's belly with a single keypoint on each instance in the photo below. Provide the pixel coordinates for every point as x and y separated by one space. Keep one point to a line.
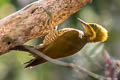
64 50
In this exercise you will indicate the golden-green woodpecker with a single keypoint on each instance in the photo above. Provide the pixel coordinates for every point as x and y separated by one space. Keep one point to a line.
67 41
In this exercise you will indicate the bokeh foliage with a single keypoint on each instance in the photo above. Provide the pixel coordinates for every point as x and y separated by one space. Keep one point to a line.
104 12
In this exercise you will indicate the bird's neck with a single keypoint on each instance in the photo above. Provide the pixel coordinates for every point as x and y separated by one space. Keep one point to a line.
90 37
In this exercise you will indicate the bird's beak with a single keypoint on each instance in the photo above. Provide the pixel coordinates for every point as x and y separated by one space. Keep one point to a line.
84 24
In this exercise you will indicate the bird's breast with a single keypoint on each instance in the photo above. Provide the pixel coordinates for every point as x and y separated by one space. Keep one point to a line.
65 45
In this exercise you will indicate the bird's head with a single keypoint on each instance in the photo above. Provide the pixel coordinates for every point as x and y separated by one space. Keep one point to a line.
94 32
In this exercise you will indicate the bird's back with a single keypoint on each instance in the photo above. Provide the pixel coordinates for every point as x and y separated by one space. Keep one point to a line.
66 44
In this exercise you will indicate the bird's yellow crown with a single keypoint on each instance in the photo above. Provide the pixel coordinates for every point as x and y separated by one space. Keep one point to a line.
94 32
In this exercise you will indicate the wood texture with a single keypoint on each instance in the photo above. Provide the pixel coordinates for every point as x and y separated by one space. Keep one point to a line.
35 20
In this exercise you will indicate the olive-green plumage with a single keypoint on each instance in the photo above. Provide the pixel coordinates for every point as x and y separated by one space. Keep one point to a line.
67 41
66 45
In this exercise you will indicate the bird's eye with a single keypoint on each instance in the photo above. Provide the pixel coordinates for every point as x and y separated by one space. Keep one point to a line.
93 25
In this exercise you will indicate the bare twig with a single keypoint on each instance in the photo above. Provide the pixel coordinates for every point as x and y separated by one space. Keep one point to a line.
71 65
44 56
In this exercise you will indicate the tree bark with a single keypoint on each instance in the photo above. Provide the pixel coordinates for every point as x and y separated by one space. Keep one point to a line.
35 20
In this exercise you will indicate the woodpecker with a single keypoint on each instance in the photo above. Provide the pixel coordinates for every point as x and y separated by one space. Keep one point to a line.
67 41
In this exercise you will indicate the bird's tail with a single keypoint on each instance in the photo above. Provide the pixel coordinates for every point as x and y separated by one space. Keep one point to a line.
34 62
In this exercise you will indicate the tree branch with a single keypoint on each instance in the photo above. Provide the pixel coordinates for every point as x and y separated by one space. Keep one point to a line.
34 21
70 65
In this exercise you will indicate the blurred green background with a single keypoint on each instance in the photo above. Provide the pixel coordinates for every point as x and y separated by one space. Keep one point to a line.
104 12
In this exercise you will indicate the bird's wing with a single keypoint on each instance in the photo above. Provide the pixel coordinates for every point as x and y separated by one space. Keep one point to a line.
55 49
